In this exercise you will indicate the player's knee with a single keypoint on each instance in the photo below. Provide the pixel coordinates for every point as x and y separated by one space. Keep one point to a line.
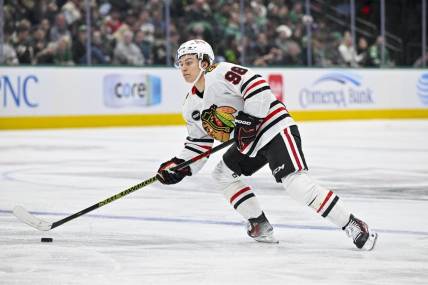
303 189
223 176
299 186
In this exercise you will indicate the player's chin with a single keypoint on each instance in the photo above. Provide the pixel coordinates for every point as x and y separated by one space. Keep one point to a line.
188 78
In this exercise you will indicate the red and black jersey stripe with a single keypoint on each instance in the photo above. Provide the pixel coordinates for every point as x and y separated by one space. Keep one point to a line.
253 86
198 145
257 91
248 82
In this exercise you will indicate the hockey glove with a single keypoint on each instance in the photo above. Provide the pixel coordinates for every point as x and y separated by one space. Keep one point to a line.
166 176
246 127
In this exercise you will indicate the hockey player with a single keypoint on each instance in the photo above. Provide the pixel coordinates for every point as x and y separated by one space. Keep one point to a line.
231 101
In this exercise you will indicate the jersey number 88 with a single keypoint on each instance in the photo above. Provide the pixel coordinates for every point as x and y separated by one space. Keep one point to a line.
234 75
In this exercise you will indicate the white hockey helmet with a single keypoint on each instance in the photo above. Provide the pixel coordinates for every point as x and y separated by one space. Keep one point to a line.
197 47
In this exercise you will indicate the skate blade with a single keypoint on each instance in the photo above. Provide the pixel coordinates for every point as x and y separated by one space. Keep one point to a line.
266 239
371 242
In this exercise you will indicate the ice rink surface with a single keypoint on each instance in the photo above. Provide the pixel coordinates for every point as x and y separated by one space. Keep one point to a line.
188 233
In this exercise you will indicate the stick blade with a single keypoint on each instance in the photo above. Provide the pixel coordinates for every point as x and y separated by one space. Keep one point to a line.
31 220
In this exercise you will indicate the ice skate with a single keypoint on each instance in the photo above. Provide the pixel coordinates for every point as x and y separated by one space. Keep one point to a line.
359 231
261 230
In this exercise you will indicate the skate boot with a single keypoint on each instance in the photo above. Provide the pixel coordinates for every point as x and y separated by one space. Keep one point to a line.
261 230
359 231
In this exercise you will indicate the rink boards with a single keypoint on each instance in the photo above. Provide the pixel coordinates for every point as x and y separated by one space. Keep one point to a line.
58 97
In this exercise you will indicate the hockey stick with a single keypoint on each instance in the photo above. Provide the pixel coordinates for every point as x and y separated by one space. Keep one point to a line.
24 216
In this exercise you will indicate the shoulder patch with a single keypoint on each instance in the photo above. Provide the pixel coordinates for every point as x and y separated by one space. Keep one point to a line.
196 115
211 68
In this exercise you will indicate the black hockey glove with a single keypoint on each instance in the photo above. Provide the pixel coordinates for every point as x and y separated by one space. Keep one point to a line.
246 127
166 176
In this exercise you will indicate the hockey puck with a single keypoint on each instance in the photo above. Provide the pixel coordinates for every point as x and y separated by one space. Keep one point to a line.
47 240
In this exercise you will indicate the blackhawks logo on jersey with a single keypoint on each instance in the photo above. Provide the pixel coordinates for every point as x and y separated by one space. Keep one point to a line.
218 122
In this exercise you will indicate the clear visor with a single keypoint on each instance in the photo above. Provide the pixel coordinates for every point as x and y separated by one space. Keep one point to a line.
180 60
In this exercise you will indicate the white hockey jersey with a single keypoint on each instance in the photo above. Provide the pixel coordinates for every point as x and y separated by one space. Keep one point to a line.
230 88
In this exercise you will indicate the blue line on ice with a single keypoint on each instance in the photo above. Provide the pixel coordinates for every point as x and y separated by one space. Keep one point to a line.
212 222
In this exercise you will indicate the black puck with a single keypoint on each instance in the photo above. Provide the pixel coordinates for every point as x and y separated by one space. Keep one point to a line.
47 240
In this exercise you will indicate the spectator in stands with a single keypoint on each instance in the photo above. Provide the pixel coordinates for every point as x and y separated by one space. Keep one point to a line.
197 31
59 29
22 43
319 53
146 26
45 25
127 52
230 50
113 21
363 52
131 21
9 54
275 57
347 51
79 45
277 11
50 11
332 53
148 41
283 38
46 56
159 22
62 52
174 41
79 48
109 39
260 48
145 22
159 52
296 13
260 12
233 25
100 48
251 28
375 54
198 11
220 19
39 43
145 46
293 56
72 11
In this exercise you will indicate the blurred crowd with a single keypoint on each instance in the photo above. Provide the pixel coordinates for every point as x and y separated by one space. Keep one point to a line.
131 32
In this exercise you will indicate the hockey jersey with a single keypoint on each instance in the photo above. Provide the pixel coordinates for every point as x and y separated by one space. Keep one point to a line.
210 115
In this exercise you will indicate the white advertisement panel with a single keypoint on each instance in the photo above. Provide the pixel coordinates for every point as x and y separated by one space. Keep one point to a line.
350 89
90 91
52 91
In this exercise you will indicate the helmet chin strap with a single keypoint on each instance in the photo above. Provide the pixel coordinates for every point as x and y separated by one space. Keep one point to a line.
200 72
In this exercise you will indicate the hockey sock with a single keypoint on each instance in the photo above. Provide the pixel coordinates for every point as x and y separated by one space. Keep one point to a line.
304 190
243 200
239 195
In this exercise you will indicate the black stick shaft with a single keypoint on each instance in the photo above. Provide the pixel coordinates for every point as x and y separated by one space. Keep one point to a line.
139 185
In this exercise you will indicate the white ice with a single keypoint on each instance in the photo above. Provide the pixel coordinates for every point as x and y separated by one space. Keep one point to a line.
187 233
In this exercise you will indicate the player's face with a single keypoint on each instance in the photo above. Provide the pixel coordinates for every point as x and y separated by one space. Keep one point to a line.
189 67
